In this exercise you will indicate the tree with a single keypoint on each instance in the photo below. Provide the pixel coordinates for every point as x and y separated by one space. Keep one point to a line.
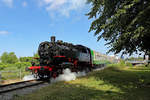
4 57
124 24
9 58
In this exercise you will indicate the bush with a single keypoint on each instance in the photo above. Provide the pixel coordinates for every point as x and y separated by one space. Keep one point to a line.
18 65
122 63
129 64
2 66
22 65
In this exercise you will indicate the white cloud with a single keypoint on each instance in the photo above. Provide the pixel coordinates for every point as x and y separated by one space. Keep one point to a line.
4 32
9 3
64 7
24 4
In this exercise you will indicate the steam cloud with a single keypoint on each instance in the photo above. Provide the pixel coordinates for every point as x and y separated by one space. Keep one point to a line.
28 77
66 76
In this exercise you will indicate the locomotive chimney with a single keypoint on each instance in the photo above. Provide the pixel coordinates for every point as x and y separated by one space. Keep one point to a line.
52 38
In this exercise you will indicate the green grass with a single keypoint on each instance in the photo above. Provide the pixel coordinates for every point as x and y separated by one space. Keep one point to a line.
112 83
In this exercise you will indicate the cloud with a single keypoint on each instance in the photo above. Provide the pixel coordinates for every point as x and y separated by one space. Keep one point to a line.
9 3
64 7
24 4
4 32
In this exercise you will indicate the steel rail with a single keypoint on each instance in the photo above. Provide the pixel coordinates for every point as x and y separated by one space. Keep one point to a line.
16 83
14 86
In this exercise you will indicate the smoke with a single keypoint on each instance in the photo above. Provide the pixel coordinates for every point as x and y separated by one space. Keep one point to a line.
28 77
67 76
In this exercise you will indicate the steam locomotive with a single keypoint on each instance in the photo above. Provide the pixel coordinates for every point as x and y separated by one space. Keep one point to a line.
55 56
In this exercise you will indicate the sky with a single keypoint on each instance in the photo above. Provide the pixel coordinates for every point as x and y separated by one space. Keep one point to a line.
24 24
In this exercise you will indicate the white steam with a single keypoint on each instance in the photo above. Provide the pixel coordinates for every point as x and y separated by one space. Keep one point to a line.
67 76
28 77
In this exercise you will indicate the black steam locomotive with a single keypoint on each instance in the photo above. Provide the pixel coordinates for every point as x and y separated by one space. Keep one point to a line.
58 55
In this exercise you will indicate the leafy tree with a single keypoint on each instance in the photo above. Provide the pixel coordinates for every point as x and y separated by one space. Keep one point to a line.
12 58
124 24
4 57
9 58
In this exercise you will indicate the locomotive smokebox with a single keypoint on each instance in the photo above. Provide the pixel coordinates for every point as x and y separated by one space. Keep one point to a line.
53 38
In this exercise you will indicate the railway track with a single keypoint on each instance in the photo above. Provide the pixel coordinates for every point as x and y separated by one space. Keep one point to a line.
19 85
25 84
10 91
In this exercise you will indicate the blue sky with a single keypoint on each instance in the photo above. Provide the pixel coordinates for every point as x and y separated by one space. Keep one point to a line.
26 23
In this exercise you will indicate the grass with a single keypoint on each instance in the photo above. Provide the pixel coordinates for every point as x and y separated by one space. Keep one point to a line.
112 83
